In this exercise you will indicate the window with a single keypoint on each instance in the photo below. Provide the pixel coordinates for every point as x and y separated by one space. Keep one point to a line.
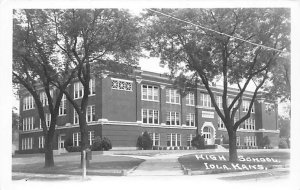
220 123
172 96
249 124
219 102
90 114
150 116
91 137
205 100
43 98
28 103
189 139
63 106
150 93
250 140
178 140
76 117
76 139
28 123
173 139
92 87
41 141
190 99
155 139
190 119
238 141
206 133
48 119
27 143
246 106
253 109
173 118
119 84
78 90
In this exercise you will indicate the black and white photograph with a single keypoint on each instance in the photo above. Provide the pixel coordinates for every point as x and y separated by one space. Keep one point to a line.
150 95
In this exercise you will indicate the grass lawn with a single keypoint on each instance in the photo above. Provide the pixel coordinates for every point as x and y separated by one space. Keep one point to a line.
70 165
218 162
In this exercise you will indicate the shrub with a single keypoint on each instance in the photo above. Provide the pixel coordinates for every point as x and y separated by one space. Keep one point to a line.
198 142
283 144
144 141
106 144
73 149
101 144
265 142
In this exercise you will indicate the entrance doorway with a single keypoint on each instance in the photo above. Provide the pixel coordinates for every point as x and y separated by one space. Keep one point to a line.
61 143
208 132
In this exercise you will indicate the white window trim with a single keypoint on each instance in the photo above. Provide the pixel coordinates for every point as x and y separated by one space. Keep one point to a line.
78 135
63 106
172 92
74 117
91 137
148 111
79 86
170 115
176 139
188 99
191 119
153 87
205 100
41 141
153 138
90 108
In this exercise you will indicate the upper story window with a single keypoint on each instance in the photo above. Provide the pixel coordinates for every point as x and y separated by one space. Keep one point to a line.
190 99
221 123
205 100
63 106
28 103
48 119
120 84
92 87
150 116
173 118
246 105
28 123
76 117
219 102
173 96
90 114
190 119
249 124
79 90
44 98
150 92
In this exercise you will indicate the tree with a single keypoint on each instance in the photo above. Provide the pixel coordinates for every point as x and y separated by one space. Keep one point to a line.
36 65
96 41
215 55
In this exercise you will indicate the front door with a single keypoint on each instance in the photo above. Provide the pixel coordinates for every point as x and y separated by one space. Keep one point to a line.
208 135
61 142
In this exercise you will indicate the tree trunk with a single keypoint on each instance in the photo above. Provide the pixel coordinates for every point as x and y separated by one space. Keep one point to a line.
49 161
232 146
84 136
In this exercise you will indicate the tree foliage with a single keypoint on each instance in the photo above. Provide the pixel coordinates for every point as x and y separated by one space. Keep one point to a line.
215 55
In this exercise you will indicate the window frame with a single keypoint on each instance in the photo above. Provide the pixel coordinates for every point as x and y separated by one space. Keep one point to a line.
172 96
146 91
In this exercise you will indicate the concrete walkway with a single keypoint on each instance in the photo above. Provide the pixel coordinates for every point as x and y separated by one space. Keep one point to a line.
158 165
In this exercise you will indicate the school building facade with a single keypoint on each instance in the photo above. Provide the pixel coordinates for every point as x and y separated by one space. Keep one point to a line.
122 109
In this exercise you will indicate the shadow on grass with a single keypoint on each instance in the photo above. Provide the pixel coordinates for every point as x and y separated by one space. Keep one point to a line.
73 167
